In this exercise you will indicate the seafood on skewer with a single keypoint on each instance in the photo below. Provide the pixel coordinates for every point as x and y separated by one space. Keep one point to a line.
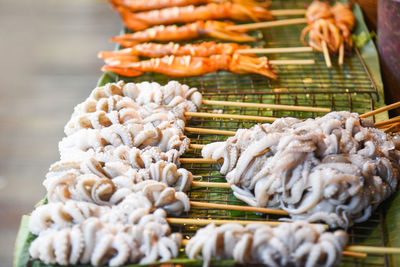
331 25
345 21
186 14
146 5
210 28
337 168
289 244
191 66
204 49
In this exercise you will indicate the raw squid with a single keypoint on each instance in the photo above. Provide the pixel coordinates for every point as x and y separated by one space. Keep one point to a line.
170 95
165 136
116 104
98 243
137 158
109 195
135 170
103 191
336 169
289 244
59 215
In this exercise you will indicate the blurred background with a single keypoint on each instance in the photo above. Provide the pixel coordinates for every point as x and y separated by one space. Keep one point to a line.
48 64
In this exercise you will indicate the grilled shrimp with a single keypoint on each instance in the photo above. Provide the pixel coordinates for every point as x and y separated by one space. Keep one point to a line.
191 66
226 10
204 49
210 28
146 5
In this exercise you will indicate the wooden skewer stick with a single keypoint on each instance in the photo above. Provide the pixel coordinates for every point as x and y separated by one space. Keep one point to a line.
326 54
264 106
373 250
393 128
275 50
235 207
380 110
292 62
221 221
208 131
345 252
266 24
211 184
196 146
216 221
287 12
354 254
341 54
228 116
197 160
387 122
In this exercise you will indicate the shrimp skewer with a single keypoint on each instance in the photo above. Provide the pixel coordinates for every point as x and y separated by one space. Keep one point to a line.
204 49
215 29
146 5
191 66
226 10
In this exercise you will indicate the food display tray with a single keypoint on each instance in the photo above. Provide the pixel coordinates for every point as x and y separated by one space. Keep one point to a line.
355 87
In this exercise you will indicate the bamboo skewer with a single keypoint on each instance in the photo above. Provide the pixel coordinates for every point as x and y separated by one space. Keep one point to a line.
382 124
354 254
394 128
235 207
373 250
208 131
211 184
287 12
380 110
292 62
264 106
341 54
275 50
229 116
326 54
267 24
196 146
200 222
197 160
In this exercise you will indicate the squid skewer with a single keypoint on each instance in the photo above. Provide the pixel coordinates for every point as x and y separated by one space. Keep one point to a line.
210 28
186 14
204 49
191 66
329 29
